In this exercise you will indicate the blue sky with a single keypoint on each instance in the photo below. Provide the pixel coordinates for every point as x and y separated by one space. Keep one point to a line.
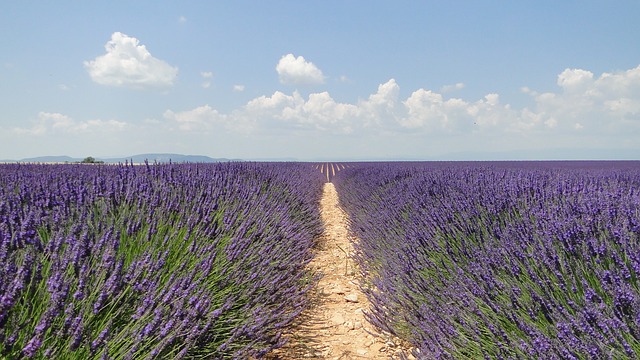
330 80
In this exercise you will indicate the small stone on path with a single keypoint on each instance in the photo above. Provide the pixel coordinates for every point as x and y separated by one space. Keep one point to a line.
337 319
351 298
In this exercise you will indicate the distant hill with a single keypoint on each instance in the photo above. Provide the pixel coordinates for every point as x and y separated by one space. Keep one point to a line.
50 159
165 158
140 158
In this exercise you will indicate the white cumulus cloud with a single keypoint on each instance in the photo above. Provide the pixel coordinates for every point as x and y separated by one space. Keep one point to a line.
572 80
380 107
322 112
128 63
298 71
426 108
584 107
605 103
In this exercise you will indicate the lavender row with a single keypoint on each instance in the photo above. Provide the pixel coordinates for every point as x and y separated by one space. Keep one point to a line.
153 262
501 260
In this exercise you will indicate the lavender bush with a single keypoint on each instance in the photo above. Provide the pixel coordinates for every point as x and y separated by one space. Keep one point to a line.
153 262
501 260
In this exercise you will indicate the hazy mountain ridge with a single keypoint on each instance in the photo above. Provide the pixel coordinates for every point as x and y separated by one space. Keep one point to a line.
552 154
140 158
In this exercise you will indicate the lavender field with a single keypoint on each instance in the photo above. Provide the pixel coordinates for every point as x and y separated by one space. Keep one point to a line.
525 260
153 262
501 260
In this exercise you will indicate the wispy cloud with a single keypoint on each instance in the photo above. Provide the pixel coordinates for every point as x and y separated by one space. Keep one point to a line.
203 118
450 88
207 76
56 123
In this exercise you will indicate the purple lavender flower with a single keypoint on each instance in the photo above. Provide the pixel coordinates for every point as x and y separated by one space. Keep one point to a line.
32 346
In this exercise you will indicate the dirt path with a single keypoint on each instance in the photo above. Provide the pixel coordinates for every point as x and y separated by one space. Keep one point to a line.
335 326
